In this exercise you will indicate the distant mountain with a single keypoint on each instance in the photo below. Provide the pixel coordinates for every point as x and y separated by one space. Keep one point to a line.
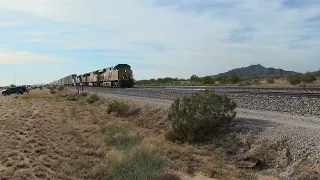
257 70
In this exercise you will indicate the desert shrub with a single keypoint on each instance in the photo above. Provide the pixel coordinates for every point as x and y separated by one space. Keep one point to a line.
84 94
208 80
309 77
40 87
245 83
52 91
72 98
119 108
270 80
199 116
170 135
294 79
60 88
233 78
93 98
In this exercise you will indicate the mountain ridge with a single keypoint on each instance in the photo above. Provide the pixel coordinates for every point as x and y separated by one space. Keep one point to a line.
256 70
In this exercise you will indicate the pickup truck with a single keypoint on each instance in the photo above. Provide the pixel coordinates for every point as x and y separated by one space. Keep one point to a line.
14 90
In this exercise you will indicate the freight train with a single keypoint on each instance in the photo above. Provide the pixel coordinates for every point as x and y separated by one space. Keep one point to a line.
118 76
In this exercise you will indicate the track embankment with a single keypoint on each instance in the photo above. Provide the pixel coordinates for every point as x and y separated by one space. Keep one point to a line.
295 103
255 118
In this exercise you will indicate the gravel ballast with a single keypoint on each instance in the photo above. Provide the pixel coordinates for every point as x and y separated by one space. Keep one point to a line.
285 104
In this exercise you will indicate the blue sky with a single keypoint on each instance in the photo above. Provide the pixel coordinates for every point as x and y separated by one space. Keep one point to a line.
43 40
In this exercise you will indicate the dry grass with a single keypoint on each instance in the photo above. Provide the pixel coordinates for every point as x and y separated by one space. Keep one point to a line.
76 140
93 98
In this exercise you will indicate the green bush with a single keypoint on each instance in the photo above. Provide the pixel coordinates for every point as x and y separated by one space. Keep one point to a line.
294 79
93 98
52 91
119 108
270 80
72 98
309 78
233 78
199 116
208 80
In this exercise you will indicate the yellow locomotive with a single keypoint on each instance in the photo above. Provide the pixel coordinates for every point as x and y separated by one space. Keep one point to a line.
120 75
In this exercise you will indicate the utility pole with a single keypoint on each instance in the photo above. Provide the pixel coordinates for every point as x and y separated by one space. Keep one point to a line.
15 79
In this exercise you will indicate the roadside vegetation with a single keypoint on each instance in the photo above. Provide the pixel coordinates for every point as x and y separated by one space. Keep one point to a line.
233 79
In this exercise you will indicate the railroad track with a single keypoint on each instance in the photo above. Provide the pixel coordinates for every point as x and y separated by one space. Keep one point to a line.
271 92
275 93
252 88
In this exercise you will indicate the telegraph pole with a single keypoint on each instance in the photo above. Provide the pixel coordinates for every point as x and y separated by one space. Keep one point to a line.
15 79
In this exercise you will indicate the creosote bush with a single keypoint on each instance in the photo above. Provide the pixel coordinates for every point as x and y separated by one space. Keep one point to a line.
199 116
270 80
294 79
52 91
72 98
92 98
119 108
309 78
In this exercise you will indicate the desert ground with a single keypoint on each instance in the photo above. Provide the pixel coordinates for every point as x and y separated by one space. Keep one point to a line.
47 135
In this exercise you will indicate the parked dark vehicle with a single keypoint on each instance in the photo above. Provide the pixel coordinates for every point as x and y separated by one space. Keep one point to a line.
14 90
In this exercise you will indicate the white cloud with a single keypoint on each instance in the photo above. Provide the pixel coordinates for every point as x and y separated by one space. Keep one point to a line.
10 56
9 24
194 33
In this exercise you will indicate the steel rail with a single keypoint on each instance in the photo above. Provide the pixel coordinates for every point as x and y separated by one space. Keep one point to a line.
269 93
315 88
